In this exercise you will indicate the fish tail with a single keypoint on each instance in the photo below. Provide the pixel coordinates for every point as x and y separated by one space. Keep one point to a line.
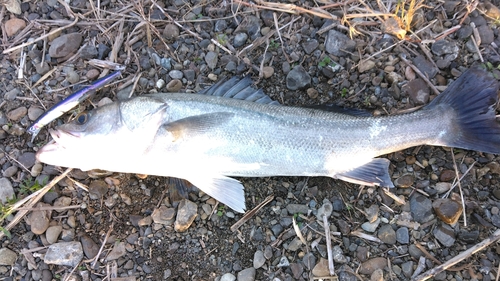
473 97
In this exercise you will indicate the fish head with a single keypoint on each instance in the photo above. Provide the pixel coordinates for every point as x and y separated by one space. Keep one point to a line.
105 137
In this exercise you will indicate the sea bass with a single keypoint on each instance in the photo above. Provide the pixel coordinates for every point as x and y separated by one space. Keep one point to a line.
234 130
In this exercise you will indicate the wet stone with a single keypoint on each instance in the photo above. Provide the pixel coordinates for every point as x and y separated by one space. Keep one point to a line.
445 235
298 78
421 208
448 210
402 235
6 190
64 253
387 234
65 44
186 214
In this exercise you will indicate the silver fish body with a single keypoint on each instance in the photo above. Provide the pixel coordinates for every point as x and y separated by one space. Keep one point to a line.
204 138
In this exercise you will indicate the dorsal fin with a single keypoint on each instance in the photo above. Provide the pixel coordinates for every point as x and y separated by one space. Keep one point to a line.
236 88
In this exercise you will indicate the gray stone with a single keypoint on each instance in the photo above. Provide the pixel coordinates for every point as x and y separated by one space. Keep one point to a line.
240 39
34 112
228 277
297 270
486 34
258 259
325 210
186 214
296 209
336 42
52 233
39 219
298 78
371 227
387 234
97 189
445 235
283 262
407 268
443 47
418 91
369 266
118 251
402 235
338 254
27 159
90 248
10 171
7 256
6 190
309 260
310 45
64 253
425 66
247 274
175 74
163 215
421 208
211 59
65 44
171 32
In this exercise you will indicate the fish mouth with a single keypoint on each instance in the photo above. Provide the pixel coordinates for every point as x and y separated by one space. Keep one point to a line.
60 139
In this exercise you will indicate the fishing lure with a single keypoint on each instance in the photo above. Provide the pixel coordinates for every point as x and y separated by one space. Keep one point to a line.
68 103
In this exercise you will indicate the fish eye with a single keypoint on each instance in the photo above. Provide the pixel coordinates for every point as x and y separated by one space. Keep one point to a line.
82 118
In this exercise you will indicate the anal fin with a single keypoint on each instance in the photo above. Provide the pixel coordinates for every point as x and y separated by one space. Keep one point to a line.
224 189
375 172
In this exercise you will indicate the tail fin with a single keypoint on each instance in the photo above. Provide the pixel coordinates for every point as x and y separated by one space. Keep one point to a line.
473 96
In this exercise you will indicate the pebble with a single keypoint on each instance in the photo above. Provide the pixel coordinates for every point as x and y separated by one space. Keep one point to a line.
443 47
174 86
445 235
65 45
13 26
72 77
12 94
297 209
62 201
369 266
442 187
345 273
258 259
27 159
403 235
325 210
321 268
247 274
425 66
377 275
405 181
92 74
240 39
186 214
228 277
407 268
294 245
486 34
421 208
448 210
117 252
267 71
415 252
283 262
6 190
447 175
163 215
171 32
338 254
34 112
387 234
366 65
7 256
10 171
310 45
88 52
336 42
160 83
418 91
97 189
39 219
372 213
175 74
211 59
312 93
64 253
297 78
370 226
52 233
90 248
17 114
309 260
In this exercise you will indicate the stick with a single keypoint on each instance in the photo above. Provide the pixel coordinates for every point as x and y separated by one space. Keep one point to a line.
460 257
328 238
251 213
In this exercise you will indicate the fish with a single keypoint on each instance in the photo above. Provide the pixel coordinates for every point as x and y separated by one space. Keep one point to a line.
68 103
234 130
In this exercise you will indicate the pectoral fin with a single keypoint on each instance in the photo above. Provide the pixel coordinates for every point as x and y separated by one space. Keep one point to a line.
225 190
372 173
194 125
